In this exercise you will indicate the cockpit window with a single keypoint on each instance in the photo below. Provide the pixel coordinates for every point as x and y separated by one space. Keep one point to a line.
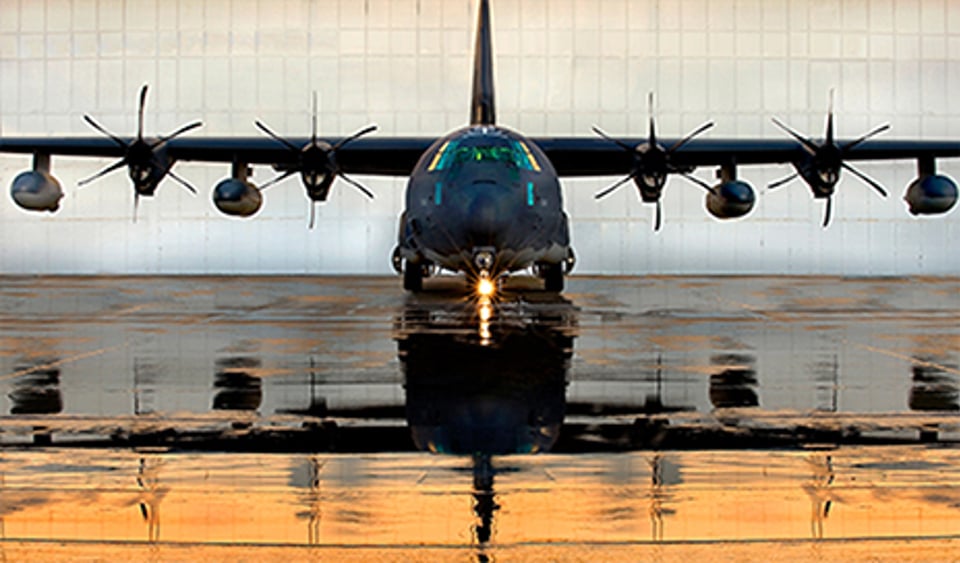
512 152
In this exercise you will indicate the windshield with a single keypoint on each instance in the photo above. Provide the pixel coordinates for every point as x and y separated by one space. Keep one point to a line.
515 153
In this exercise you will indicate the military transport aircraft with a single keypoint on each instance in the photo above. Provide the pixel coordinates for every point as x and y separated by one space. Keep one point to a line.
485 200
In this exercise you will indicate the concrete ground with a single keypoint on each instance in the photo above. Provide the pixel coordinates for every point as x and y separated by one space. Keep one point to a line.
730 417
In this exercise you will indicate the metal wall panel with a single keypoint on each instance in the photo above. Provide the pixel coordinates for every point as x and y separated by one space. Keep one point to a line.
563 65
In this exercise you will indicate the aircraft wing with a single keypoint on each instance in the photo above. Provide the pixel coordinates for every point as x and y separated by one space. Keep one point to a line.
397 156
600 157
394 156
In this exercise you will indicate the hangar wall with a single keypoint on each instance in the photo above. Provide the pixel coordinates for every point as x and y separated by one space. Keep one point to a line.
562 66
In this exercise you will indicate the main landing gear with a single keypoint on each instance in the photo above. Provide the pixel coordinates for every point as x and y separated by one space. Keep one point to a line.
413 274
552 275
413 277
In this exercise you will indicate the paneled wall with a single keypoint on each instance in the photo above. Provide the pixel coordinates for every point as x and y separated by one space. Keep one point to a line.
562 66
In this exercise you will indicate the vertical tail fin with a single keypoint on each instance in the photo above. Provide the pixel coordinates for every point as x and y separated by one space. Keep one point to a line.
483 111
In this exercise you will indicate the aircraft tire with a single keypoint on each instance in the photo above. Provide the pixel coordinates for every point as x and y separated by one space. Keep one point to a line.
413 277
552 277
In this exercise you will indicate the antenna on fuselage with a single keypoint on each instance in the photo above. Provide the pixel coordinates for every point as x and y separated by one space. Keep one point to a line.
483 111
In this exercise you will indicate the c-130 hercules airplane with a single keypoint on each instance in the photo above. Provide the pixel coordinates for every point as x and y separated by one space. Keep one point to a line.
485 200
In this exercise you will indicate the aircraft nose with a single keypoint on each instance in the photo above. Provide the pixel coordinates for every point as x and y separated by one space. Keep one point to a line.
486 218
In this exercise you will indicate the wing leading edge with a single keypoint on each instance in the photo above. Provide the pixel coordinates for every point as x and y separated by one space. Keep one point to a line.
584 156
397 156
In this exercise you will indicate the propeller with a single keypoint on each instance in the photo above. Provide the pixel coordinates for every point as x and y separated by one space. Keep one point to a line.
316 162
652 163
826 161
140 156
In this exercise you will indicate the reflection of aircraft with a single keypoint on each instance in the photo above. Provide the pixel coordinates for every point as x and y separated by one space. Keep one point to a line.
735 384
500 394
236 388
311 497
485 383
151 494
934 389
485 200
820 491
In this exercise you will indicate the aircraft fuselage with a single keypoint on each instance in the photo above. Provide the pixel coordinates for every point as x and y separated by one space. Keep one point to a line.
484 198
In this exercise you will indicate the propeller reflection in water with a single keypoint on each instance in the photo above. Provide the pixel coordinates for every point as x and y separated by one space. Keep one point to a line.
734 385
236 388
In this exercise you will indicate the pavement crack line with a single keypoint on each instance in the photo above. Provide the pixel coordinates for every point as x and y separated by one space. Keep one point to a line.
910 359
61 362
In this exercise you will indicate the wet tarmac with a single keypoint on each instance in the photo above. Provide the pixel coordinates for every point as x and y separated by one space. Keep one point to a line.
804 418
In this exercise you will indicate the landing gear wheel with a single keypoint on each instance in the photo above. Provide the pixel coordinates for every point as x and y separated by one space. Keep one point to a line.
413 277
552 275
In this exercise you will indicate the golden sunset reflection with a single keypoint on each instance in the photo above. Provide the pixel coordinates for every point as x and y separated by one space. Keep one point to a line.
418 499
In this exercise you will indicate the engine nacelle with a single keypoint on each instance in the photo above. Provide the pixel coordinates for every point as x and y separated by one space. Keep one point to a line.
931 195
731 199
36 190
236 197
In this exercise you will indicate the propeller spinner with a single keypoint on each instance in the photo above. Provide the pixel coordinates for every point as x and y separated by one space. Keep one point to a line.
652 163
822 164
144 157
316 163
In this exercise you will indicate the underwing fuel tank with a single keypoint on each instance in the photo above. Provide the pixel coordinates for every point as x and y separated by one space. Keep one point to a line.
730 200
931 195
36 190
236 197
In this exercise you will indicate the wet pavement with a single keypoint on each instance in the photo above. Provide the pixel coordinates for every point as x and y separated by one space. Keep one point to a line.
810 418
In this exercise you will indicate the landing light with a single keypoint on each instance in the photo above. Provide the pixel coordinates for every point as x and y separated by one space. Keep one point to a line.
486 287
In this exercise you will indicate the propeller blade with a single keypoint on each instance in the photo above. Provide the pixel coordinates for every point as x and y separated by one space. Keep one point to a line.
356 184
622 145
829 136
279 178
691 136
652 139
182 182
120 143
313 133
827 212
614 187
866 179
136 206
143 104
869 135
354 137
177 133
313 214
782 181
658 221
276 137
116 165
697 181
809 145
